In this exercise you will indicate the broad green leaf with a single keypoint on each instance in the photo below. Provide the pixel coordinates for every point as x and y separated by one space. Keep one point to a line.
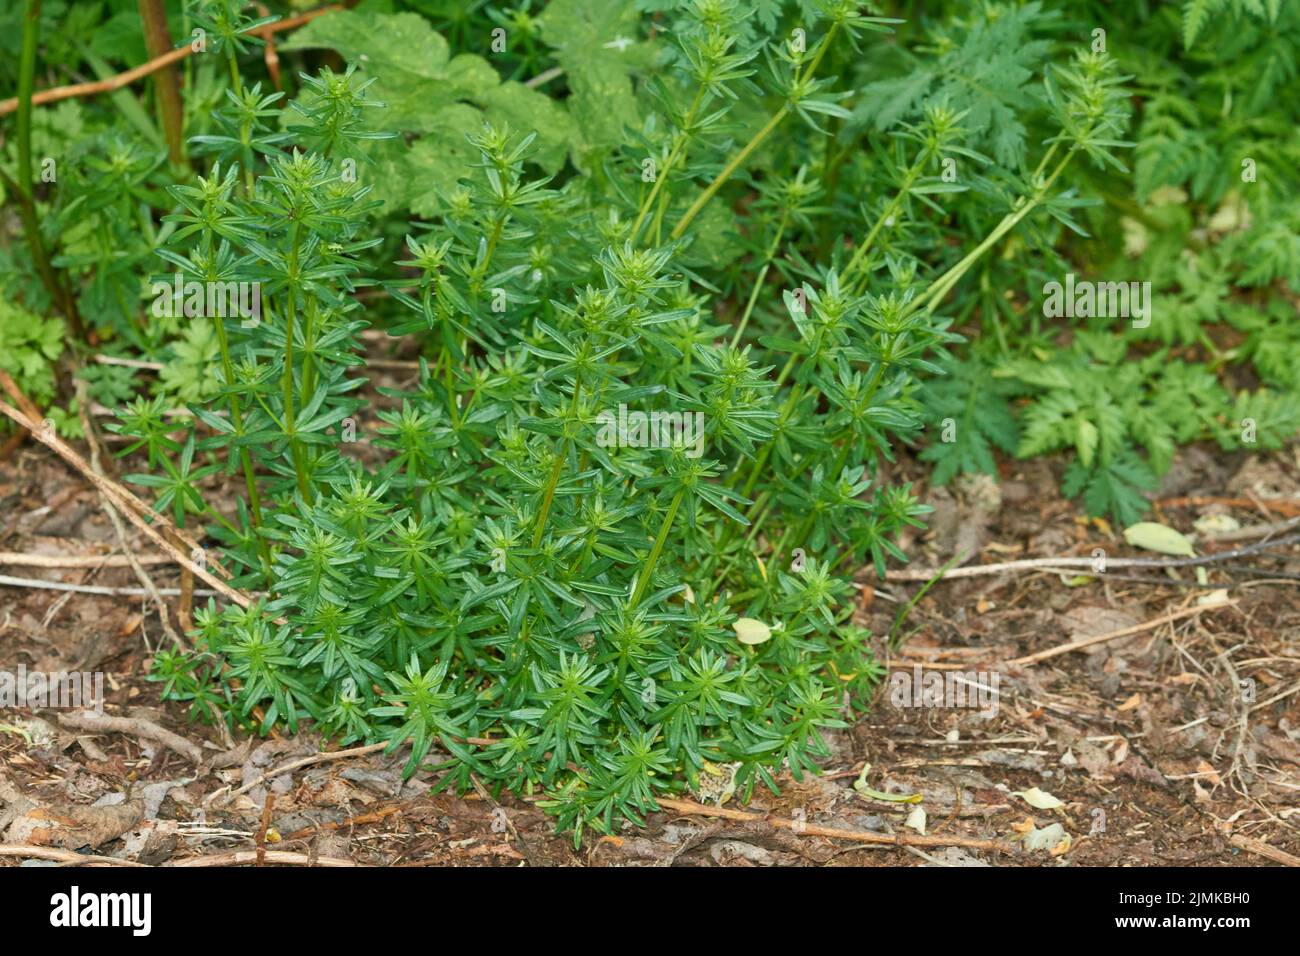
428 92
596 44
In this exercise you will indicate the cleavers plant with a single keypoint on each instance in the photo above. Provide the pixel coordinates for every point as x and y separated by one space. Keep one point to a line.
474 560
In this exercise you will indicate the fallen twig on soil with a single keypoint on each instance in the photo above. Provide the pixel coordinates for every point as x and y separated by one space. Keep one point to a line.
64 856
135 726
322 757
269 856
1114 635
146 582
975 570
260 840
1260 848
858 836
374 816
134 509
1282 507
16 559
104 589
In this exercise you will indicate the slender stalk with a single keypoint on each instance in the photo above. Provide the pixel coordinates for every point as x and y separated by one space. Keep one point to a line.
557 470
237 421
673 156
549 495
944 284
643 579
286 379
758 283
26 202
165 82
755 141
886 217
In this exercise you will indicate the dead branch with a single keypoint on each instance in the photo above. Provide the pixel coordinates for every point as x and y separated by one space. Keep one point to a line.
103 589
1114 635
811 829
975 570
64 856
128 77
239 857
15 558
1260 848
133 726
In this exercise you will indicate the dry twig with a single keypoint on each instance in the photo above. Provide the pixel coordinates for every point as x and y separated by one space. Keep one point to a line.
858 836
135 726
120 80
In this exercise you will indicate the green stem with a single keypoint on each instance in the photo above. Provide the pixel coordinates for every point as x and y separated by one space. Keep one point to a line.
944 284
671 162
237 420
643 580
755 141
758 283
702 200
889 213
26 202
286 378
554 479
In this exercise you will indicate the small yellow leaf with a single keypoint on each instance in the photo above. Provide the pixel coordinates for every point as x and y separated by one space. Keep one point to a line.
750 631
1038 799
1158 537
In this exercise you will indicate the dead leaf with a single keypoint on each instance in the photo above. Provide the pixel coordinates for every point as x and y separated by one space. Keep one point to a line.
1131 704
1038 799
1052 838
73 826
916 820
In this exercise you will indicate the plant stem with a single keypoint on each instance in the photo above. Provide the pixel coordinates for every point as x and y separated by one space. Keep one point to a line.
755 141
245 460
556 470
286 379
758 283
165 82
886 217
944 284
643 580
26 202
668 165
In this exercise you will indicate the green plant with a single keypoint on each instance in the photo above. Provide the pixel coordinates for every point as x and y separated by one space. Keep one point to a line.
517 578
676 300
